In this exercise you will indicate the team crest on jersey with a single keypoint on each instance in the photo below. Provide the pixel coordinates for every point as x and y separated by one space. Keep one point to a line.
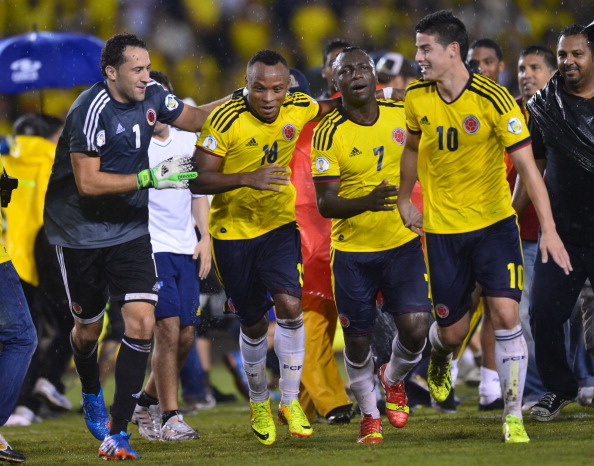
344 321
101 138
399 136
514 125
171 102
210 142
289 132
76 308
322 164
442 311
471 124
151 116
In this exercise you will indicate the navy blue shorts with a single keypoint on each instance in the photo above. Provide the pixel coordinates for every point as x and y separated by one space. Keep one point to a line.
358 277
179 288
126 270
250 269
491 256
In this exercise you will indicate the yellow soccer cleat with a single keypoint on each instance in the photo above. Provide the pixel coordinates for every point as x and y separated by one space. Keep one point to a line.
293 415
262 422
513 430
439 378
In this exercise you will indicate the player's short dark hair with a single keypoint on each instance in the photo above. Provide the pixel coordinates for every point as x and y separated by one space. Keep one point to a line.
268 57
334 44
489 44
161 78
547 55
446 28
113 50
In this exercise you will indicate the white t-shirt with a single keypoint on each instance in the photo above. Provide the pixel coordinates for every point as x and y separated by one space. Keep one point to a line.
170 210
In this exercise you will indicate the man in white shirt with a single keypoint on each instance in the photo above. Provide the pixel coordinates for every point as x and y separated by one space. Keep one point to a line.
181 261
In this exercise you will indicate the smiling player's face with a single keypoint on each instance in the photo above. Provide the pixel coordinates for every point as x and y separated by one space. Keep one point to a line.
433 58
130 79
267 87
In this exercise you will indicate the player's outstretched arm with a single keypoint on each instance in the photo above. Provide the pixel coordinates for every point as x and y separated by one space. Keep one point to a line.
550 243
91 181
211 181
521 200
331 205
193 118
392 93
411 217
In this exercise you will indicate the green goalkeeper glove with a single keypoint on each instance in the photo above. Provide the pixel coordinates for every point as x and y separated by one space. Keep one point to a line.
171 173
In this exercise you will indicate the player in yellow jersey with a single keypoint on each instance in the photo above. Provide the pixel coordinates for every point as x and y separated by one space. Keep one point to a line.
356 170
242 155
18 337
458 125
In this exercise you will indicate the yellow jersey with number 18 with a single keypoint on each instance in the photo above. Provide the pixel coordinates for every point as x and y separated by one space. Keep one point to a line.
360 157
461 165
245 144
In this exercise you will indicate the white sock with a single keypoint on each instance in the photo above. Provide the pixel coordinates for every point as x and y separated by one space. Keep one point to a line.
490 386
361 382
511 359
253 353
289 345
437 347
454 372
401 362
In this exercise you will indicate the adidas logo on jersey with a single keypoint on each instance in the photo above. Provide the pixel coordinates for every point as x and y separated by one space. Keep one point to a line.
354 152
120 129
252 143
425 121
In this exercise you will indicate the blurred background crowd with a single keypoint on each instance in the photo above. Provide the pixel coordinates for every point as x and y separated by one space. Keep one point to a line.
205 44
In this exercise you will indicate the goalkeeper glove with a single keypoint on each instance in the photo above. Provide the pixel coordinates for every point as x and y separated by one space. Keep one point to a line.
171 173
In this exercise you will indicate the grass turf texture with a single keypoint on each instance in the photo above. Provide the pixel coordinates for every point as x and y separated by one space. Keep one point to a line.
465 438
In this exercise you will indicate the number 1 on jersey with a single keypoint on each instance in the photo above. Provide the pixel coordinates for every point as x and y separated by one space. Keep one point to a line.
136 131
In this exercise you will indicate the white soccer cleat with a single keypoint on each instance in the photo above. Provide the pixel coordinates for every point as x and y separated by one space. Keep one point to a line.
148 421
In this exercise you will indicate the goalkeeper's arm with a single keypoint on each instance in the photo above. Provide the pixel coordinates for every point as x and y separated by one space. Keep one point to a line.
91 181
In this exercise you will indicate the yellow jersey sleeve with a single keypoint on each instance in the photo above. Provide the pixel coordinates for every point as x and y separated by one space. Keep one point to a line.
245 144
360 158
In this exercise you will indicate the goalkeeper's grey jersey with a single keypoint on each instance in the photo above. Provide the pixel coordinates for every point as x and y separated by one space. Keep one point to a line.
119 134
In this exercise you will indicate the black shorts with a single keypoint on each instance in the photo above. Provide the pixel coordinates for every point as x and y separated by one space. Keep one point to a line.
491 256
126 270
252 270
399 273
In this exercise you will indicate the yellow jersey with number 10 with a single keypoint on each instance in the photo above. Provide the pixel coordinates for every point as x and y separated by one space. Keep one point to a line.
246 143
360 157
461 165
